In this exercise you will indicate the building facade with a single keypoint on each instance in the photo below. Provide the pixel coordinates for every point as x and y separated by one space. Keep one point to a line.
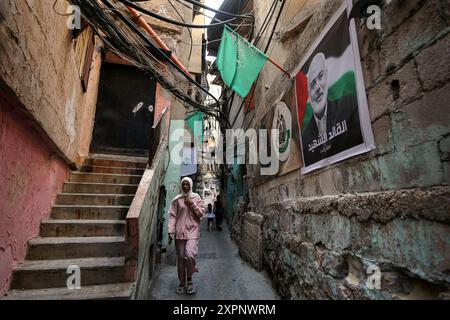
376 225
55 82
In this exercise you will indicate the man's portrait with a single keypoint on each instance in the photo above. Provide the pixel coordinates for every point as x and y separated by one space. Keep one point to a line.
327 100
334 126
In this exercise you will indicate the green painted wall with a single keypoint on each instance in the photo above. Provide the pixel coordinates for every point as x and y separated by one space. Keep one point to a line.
173 175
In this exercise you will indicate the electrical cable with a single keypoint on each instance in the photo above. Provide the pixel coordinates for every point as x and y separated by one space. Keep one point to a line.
156 48
264 25
265 50
216 40
208 16
171 21
189 30
134 52
275 26
217 10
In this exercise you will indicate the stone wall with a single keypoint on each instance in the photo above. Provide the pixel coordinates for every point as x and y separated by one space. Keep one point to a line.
390 208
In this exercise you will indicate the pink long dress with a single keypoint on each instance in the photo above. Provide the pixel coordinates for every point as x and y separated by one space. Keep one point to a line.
184 223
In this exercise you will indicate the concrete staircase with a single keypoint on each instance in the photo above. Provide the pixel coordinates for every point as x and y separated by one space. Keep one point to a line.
87 229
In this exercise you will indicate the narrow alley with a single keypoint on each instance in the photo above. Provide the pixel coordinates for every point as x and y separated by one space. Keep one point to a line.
223 275
316 131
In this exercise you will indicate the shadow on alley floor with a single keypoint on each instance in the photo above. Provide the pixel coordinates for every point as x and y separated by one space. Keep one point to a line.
222 275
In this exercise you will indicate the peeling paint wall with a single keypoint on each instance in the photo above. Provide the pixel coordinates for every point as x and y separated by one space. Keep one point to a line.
142 223
320 232
42 113
173 174
31 176
37 62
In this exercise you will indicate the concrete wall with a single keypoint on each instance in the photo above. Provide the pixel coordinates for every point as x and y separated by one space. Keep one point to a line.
38 66
321 231
173 175
142 225
175 37
31 176
195 62
43 113
37 62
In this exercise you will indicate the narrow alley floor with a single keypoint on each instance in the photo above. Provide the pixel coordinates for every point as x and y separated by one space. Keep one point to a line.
222 275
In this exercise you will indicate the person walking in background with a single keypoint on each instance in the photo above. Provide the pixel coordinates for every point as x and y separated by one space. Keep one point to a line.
185 213
211 216
219 212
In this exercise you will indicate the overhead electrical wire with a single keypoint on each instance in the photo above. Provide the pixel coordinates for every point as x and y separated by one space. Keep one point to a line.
183 24
266 22
133 27
130 24
128 46
275 25
262 30
220 39
171 21
212 18
197 3
265 51
189 30
270 38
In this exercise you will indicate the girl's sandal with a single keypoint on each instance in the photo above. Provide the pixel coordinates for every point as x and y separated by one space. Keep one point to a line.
181 289
190 288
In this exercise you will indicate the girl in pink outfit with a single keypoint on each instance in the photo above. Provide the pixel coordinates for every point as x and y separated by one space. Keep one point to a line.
184 227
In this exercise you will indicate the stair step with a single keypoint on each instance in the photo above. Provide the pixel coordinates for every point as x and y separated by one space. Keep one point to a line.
75 212
94 199
104 178
41 274
116 291
114 170
82 228
99 188
115 163
74 247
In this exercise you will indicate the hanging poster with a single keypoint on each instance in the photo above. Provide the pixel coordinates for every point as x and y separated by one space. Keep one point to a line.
283 116
331 100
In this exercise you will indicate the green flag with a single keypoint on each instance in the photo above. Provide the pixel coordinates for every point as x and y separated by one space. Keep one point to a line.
195 124
239 62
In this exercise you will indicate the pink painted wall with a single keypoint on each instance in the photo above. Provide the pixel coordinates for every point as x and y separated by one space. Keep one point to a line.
30 179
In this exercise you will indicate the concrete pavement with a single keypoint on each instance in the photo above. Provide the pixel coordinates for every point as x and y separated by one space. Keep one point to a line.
222 275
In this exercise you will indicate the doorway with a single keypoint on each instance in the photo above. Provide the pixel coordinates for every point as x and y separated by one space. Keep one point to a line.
124 114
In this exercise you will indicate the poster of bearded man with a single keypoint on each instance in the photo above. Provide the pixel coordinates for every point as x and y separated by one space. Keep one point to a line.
332 108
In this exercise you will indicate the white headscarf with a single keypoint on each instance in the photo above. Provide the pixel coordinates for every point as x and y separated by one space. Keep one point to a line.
190 194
